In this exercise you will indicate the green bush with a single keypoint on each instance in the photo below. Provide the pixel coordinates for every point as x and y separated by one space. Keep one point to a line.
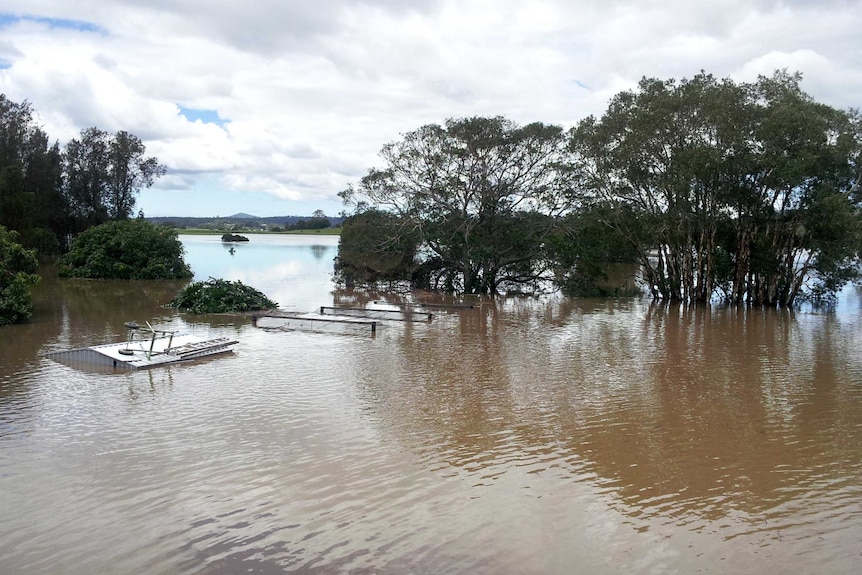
126 249
17 274
220 296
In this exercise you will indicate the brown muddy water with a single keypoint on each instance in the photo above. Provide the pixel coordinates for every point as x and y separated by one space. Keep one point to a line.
522 436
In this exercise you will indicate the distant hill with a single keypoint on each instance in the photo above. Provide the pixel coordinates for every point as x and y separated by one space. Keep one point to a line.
236 221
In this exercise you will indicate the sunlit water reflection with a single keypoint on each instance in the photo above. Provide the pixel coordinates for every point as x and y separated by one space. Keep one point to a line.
523 436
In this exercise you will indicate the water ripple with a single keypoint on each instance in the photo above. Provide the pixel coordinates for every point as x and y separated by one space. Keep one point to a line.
518 437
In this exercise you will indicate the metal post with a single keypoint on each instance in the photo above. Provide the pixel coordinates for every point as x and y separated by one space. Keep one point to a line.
152 343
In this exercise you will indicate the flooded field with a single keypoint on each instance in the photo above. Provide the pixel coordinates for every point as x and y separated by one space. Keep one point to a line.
518 436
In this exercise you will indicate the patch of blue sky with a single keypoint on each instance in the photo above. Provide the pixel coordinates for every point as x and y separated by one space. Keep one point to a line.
205 116
7 19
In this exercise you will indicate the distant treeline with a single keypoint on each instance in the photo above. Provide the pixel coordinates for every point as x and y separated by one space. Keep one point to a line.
272 223
50 193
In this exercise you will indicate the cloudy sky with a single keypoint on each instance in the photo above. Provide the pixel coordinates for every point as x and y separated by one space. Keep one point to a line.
272 107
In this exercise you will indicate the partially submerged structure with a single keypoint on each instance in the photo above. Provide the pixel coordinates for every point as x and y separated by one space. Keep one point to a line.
427 305
352 320
283 321
369 313
144 348
338 319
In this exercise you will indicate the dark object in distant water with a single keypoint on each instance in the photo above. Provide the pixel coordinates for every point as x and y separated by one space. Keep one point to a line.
233 238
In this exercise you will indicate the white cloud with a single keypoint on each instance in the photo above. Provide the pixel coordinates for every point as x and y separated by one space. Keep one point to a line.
309 91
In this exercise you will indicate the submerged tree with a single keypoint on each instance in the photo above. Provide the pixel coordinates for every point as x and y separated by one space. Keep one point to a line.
129 249
796 215
376 246
479 194
748 190
583 248
17 273
220 296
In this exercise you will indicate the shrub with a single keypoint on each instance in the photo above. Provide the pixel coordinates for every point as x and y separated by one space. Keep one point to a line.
17 274
127 249
220 296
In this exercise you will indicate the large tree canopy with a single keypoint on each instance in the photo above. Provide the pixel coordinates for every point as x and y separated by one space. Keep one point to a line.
749 190
745 191
478 194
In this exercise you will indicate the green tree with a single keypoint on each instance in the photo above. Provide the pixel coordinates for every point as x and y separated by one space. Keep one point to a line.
318 221
17 273
741 189
85 166
103 174
30 176
127 249
796 214
583 247
464 189
373 247
129 171
658 154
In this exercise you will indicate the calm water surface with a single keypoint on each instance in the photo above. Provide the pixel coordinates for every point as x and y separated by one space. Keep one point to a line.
522 436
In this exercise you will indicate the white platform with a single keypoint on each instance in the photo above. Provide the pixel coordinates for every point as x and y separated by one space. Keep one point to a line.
145 352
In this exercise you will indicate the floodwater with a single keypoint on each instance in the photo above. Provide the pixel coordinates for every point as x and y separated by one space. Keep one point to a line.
521 436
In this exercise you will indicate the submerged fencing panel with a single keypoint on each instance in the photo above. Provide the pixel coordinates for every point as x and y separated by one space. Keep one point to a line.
391 314
428 305
316 323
